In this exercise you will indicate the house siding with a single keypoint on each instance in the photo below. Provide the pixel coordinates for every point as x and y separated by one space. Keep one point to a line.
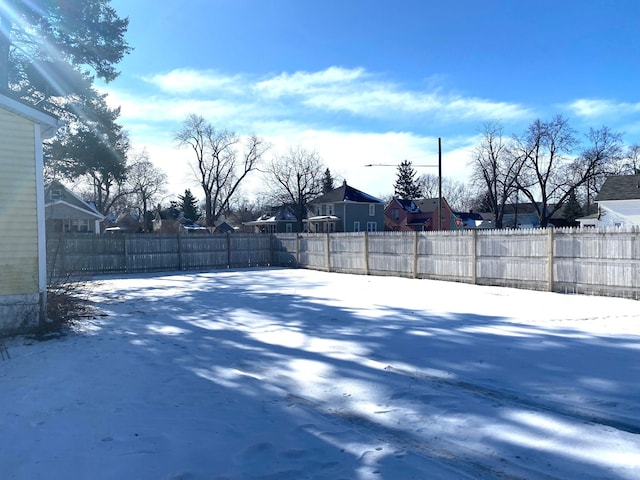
18 257
19 262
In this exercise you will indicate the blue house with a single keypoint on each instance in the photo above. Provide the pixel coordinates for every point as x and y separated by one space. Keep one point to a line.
345 209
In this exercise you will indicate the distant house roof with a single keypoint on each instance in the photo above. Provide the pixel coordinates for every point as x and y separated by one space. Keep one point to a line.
429 204
408 205
523 208
469 216
281 213
620 187
56 194
346 193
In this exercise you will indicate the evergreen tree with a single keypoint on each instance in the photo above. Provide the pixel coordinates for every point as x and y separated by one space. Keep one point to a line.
50 54
189 206
406 185
50 49
327 181
94 149
572 209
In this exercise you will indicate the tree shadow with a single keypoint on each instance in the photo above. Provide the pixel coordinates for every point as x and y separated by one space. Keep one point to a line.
399 394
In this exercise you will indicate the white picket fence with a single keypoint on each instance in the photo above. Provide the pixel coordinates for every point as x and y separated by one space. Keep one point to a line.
602 262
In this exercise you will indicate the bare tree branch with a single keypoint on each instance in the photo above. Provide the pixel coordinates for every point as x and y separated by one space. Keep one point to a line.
216 167
297 179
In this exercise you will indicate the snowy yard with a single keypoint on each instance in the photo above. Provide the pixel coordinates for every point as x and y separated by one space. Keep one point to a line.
295 374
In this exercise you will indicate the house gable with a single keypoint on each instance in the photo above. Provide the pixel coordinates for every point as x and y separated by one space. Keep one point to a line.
67 212
345 209
618 202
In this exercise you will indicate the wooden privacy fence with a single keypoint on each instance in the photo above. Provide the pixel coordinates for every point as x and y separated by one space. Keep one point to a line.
97 254
602 262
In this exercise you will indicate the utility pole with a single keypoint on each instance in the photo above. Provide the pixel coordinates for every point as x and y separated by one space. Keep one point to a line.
439 177
439 184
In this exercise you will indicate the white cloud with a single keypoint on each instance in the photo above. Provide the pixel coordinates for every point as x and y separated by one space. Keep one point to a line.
185 81
300 108
308 82
594 108
357 92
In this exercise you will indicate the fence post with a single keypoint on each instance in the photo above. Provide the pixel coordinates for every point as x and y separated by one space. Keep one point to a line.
229 250
126 252
179 240
474 256
327 247
62 247
550 259
415 255
366 253
297 249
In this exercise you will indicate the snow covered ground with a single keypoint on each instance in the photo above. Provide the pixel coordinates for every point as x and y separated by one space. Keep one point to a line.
297 374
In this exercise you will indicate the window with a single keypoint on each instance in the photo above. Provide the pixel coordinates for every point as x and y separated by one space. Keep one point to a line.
372 226
330 209
289 227
372 209
395 214
356 226
332 227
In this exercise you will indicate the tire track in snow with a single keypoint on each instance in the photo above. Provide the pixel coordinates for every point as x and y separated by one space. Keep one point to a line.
454 456
575 413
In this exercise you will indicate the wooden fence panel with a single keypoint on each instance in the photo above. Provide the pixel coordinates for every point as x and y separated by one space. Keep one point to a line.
202 251
346 253
151 253
445 255
85 254
391 253
313 251
285 250
603 262
249 250
514 258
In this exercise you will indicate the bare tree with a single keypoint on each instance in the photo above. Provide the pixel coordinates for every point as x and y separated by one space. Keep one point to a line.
146 183
457 193
495 170
297 179
632 160
219 167
602 157
551 171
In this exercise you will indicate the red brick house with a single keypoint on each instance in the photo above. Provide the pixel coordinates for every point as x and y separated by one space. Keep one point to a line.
404 215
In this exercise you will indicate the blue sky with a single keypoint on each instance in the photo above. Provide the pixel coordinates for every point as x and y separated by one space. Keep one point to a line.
374 81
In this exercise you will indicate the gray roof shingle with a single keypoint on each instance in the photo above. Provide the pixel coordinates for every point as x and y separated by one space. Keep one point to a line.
345 193
620 187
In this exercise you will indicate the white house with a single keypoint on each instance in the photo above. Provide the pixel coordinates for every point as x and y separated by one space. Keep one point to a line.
23 287
618 203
